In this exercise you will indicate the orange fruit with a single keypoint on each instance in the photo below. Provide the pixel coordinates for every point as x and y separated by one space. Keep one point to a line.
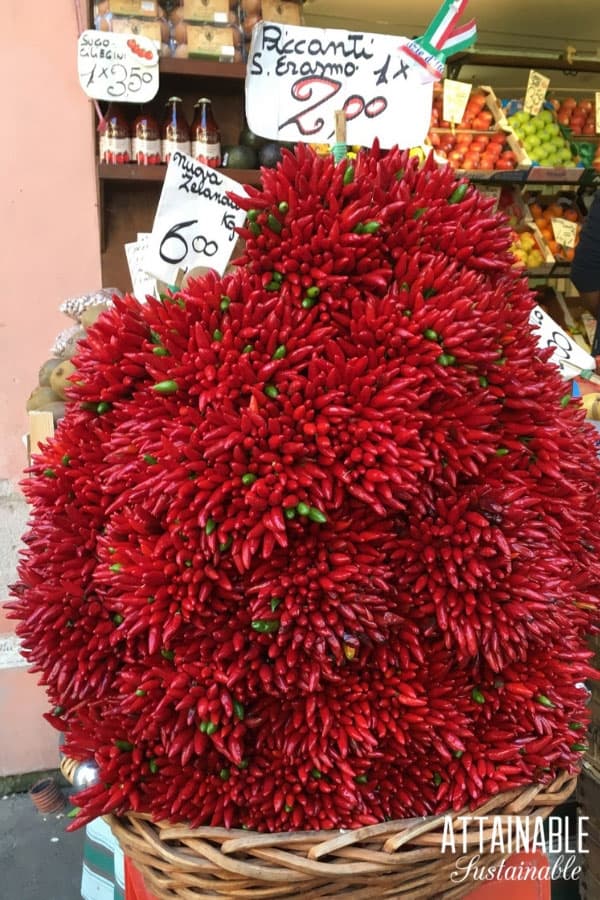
536 210
571 215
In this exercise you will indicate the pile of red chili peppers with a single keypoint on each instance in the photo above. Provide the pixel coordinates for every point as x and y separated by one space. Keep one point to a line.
317 542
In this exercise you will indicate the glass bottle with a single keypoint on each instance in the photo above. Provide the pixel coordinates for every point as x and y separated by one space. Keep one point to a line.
206 140
115 138
175 130
146 139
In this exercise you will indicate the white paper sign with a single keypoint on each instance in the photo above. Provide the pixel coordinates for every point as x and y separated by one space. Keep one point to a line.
195 221
565 231
537 85
298 77
142 283
568 355
455 97
121 67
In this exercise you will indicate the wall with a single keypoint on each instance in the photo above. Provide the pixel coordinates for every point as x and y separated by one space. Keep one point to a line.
49 250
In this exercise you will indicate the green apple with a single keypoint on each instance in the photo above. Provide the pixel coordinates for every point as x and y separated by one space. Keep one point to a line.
545 115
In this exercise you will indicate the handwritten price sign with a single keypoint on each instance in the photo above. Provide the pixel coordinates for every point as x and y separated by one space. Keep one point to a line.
298 77
567 355
455 97
565 232
195 220
537 85
117 66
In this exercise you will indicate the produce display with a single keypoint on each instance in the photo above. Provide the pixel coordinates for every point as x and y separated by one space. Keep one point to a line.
579 116
316 543
527 249
542 138
475 143
544 210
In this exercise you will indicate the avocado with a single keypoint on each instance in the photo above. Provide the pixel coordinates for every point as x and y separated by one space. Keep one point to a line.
241 158
249 139
269 155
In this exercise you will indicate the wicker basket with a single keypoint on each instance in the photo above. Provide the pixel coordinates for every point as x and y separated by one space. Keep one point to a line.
399 859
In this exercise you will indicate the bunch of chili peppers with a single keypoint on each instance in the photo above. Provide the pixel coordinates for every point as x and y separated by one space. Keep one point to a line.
316 544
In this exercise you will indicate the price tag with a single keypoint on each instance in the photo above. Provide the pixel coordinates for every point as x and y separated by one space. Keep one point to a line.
298 77
535 95
567 355
491 193
456 95
565 232
195 220
117 66
597 110
142 283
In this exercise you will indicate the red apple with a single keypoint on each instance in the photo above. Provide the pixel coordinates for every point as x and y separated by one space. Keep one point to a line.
569 103
564 118
487 162
589 128
506 164
586 105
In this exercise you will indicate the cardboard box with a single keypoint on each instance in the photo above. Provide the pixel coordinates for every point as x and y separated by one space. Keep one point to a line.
284 12
547 265
210 42
139 9
150 28
206 11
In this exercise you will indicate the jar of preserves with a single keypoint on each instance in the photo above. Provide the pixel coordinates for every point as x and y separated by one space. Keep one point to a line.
175 130
115 137
206 140
146 139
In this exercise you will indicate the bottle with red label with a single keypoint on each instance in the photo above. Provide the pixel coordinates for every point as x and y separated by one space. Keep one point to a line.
175 130
206 140
146 139
115 137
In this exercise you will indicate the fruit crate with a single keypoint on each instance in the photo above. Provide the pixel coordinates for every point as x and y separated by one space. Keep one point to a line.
541 136
541 208
523 234
482 147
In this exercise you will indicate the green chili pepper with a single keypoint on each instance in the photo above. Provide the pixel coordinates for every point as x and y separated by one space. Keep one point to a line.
166 387
140 693
254 228
348 175
580 748
73 812
316 515
280 352
155 337
203 726
303 509
429 292
277 276
458 193
225 302
272 286
252 214
58 710
248 478
274 224
211 728
316 773
275 601
238 709
160 351
477 696
226 544
151 599
308 303
544 701
243 764
210 526
283 207
117 618
116 567
483 381
290 512
502 451
419 212
217 335
399 174
167 654
148 458
458 753
49 473
66 459
359 229
407 313
224 774
288 808
271 391
446 359
313 292
576 726
437 779
564 401
248 348
371 227
361 779
265 626
430 334
103 407
123 745
153 766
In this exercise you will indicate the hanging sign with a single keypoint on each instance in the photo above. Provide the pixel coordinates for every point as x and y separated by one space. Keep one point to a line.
443 38
298 77
537 85
567 355
195 220
121 67
565 232
455 97
142 283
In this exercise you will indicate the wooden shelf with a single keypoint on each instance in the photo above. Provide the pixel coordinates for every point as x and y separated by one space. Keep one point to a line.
133 173
514 61
201 68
